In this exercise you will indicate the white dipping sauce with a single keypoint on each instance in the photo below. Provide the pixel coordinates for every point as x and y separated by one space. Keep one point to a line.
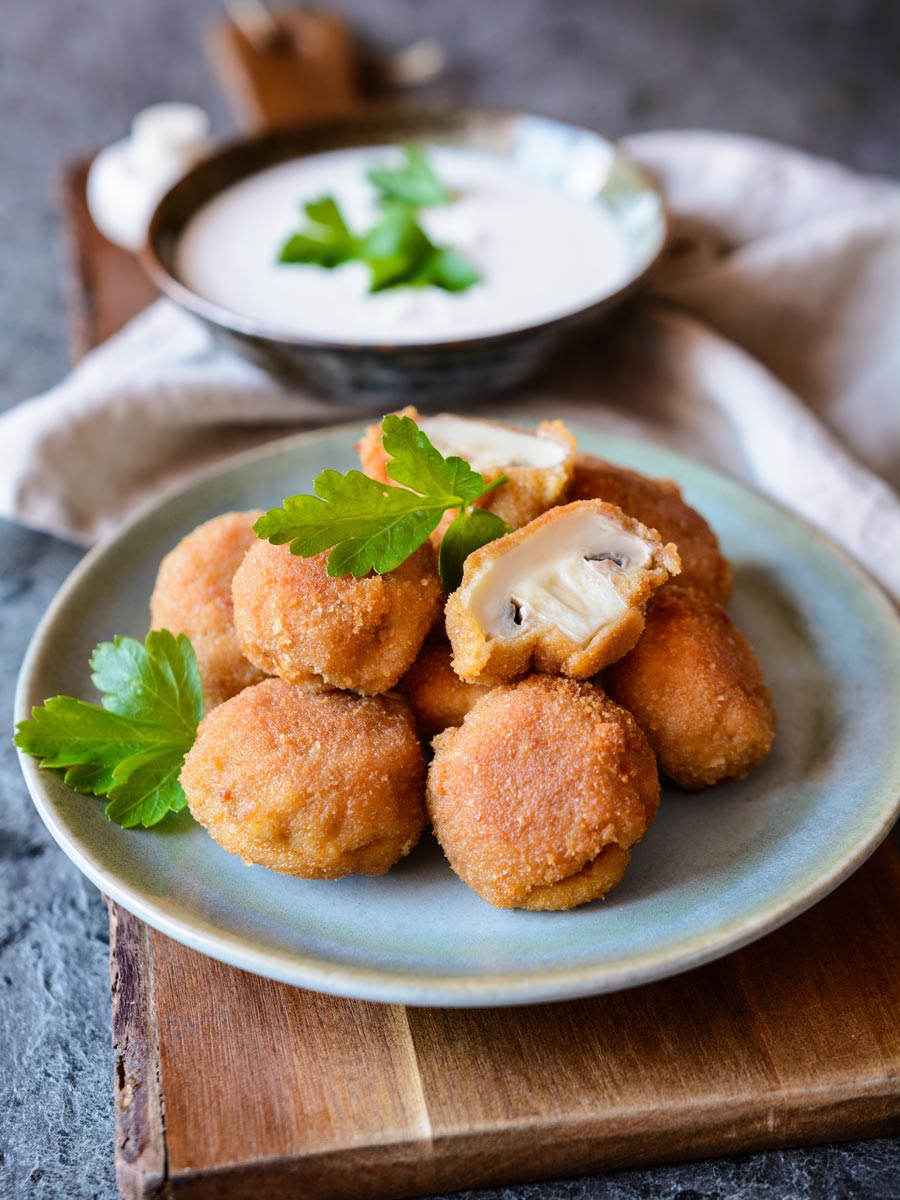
540 252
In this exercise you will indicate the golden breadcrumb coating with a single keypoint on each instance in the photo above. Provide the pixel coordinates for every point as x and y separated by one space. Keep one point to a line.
528 492
538 797
696 689
533 640
193 596
658 504
309 783
436 694
295 621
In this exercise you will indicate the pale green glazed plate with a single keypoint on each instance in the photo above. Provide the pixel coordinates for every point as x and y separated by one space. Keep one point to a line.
716 870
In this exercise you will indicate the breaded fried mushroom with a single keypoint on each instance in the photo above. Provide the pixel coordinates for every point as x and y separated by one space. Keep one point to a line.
538 463
695 687
193 596
658 504
309 783
564 595
540 794
295 621
436 694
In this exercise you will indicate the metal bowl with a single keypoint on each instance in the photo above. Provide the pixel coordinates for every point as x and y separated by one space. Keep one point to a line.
576 160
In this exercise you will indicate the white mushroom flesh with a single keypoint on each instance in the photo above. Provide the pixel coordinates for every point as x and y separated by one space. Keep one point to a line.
567 574
486 446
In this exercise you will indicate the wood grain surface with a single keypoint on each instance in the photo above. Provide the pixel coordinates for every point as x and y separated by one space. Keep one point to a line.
273 1091
140 1137
294 65
105 286
232 1086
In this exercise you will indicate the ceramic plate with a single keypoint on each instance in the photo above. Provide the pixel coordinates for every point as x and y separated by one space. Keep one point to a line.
716 870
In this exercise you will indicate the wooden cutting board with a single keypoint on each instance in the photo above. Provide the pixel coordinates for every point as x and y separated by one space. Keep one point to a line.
231 1086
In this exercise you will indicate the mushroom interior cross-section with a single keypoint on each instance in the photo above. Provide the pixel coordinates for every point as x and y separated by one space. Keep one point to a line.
487 445
565 594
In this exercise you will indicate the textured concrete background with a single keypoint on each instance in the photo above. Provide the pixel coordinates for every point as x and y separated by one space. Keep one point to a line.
822 74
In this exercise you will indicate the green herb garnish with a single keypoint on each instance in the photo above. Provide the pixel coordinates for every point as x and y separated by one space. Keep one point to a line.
415 183
400 254
325 240
371 526
397 250
470 530
132 749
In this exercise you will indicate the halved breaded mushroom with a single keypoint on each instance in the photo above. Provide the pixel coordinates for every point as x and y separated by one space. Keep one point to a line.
564 595
540 794
538 463
696 688
659 505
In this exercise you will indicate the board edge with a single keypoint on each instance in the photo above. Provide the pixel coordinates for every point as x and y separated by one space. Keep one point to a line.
141 1154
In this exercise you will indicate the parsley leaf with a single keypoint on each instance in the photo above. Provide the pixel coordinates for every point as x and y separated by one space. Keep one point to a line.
397 250
372 526
471 529
415 183
324 241
447 269
400 254
418 465
132 748
368 525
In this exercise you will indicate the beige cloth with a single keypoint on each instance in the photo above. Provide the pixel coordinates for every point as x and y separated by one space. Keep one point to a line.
769 346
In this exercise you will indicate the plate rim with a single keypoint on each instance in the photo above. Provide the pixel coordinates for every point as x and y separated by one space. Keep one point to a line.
407 987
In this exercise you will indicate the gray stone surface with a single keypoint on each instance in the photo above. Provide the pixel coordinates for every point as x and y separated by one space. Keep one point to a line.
820 73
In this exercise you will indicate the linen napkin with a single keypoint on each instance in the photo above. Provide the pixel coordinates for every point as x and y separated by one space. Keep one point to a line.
768 345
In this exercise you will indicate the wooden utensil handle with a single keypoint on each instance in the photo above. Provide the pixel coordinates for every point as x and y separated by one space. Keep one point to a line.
285 67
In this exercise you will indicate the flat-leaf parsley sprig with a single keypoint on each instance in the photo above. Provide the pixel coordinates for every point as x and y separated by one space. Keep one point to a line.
414 183
131 749
396 249
372 526
325 240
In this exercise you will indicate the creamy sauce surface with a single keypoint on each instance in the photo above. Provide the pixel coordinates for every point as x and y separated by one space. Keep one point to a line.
540 252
